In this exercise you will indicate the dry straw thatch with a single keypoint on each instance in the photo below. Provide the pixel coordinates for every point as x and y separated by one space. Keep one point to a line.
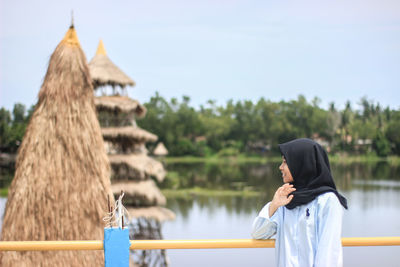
139 193
61 181
128 132
137 166
125 146
105 72
160 150
159 214
120 104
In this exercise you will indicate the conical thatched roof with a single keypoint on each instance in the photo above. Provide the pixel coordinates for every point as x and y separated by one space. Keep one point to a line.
61 181
138 166
128 132
118 104
155 213
139 193
105 72
160 150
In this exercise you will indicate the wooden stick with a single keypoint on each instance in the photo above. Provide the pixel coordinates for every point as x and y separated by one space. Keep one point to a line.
109 210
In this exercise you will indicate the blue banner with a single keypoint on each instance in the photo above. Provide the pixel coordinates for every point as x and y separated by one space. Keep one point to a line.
116 247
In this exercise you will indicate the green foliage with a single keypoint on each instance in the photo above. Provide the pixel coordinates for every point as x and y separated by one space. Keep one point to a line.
184 147
381 145
247 127
12 127
4 192
18 113
393 132
5 121
229 152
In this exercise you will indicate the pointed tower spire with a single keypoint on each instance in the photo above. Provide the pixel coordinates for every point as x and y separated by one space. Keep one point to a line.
71 38
105 72
72 18
100 49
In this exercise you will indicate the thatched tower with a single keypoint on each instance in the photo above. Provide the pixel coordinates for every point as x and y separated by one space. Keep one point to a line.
105 72
61 181
132 169
160 150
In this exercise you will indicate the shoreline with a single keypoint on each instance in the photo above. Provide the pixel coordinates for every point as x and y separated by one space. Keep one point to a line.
393 161
189 193
241 158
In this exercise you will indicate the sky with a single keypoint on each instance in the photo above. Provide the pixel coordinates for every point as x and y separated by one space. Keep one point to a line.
219 50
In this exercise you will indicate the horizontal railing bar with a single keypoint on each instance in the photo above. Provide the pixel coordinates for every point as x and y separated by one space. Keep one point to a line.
51 245
181 244
202 244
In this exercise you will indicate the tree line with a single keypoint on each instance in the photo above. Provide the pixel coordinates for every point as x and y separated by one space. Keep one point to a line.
12 126
249 127
257 127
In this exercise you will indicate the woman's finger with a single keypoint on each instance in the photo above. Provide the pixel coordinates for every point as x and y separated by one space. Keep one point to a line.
289 190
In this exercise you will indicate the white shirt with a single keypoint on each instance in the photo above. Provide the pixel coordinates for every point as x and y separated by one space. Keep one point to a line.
308 235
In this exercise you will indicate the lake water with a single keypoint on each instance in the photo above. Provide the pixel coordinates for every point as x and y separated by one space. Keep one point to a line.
372 190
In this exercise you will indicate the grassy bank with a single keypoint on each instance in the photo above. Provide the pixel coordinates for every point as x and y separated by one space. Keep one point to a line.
189 193
343 159
242 158
3 192
217 159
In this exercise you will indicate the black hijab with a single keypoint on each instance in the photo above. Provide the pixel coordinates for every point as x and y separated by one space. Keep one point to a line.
309 165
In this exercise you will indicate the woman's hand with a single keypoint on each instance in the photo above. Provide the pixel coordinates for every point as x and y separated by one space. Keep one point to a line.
281 198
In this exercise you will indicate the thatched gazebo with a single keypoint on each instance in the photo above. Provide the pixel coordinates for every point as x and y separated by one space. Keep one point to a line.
120 104
132 169
105 72
160 150
136 167
126 139
61 181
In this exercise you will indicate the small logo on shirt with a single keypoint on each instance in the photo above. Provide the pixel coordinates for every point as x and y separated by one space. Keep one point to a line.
307 212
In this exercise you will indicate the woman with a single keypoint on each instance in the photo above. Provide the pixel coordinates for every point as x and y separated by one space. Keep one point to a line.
306 212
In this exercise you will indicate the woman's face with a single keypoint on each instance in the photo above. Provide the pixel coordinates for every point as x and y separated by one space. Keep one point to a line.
286 175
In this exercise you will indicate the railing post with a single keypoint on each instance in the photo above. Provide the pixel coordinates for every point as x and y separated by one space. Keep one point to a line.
116 247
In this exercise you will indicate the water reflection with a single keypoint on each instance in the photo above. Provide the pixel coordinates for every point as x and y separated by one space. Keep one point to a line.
371 189
266 178
231 205
378 184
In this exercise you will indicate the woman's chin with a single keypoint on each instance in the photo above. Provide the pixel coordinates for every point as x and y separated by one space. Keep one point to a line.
286 181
